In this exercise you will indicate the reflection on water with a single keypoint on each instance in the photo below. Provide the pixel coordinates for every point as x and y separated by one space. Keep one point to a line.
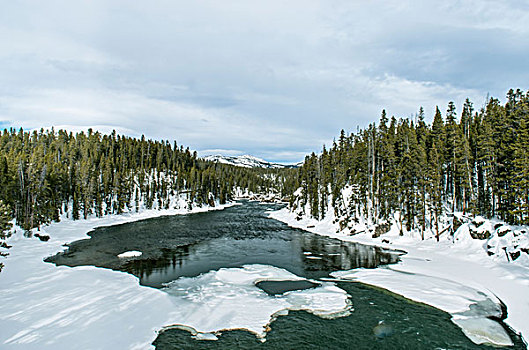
302 253
189 245
324 254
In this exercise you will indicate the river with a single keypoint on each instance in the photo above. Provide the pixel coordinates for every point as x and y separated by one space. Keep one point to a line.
183 246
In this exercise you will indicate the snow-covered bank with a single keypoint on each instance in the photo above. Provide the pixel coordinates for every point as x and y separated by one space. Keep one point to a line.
470 308
270 197
459 277
58 307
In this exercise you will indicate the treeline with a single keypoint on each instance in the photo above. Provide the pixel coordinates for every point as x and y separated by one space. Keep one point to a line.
44 174
476 162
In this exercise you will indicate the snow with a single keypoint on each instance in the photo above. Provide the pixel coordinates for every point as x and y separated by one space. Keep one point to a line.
469 307
455 275
245 161
58 307
314 257
229 299
52 307
484 331
130 254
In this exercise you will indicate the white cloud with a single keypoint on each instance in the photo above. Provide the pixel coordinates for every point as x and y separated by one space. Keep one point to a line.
275 79
133 114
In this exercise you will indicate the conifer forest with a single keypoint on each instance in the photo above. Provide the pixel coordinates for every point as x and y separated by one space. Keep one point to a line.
45 173
475 162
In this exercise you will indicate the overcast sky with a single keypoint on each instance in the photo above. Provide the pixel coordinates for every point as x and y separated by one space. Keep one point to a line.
276 79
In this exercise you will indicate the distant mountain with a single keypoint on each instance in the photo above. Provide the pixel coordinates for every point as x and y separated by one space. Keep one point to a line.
247 161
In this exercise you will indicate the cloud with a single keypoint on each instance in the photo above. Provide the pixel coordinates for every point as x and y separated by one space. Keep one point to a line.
275 79
221 151
136 115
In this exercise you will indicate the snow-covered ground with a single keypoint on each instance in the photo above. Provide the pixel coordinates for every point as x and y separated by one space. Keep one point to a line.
48 306
245 161
57 307
455 275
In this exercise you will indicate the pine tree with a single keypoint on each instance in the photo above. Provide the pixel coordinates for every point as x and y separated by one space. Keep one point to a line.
5 226
436 186
521 164
452 135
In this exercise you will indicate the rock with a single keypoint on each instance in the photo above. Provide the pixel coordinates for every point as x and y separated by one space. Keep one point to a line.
515 255
478 234
43 238
478 221
478 230
354 232
5 245
502 230
382 330
381 229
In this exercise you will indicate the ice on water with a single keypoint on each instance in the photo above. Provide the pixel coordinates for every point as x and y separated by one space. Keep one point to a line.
470 308
229 299
130 254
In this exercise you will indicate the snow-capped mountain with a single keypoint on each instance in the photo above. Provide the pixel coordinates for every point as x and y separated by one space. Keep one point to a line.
246 161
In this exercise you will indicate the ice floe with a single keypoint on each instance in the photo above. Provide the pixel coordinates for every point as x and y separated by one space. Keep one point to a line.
229 299
471 309
130 254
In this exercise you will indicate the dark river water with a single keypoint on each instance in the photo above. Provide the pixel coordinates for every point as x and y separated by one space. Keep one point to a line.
189 245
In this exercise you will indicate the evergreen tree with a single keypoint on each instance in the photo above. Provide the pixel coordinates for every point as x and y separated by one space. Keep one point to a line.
477 164
5 226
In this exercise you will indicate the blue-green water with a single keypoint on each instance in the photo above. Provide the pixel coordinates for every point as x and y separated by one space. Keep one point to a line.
188 245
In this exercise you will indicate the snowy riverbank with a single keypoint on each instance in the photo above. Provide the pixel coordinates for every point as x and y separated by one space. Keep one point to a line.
459 278
59 307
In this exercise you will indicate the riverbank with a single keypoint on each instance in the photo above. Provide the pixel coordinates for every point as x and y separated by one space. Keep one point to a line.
53 307
457 278
56 307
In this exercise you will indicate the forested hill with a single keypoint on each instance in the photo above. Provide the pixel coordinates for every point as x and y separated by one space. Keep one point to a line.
475 162
46 173
470 161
